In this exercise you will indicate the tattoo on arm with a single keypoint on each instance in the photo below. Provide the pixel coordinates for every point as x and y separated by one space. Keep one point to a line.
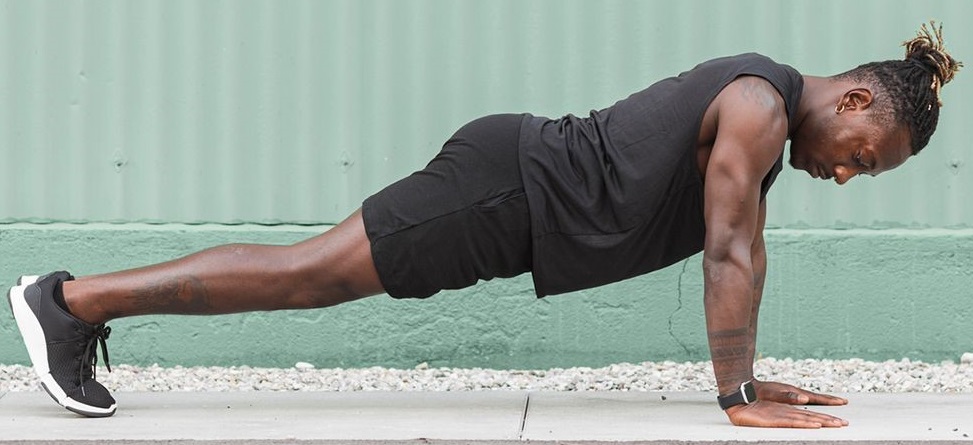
731 354
181 295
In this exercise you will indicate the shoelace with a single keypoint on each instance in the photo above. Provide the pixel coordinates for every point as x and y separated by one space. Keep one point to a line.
90 357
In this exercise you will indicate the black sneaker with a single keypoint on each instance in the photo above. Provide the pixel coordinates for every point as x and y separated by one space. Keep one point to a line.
62 348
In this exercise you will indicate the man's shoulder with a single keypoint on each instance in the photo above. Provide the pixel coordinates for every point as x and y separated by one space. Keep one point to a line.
746 62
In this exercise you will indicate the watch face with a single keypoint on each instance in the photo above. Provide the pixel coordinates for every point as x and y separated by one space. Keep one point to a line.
749 392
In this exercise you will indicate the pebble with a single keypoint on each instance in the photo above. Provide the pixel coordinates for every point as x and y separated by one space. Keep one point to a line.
966 358
854 375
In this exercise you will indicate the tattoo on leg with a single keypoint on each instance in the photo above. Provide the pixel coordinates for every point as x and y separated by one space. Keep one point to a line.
181 295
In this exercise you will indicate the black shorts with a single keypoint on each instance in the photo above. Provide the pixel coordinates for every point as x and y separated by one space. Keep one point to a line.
462 219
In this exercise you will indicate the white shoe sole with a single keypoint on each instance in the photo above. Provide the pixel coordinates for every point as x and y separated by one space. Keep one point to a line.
33 335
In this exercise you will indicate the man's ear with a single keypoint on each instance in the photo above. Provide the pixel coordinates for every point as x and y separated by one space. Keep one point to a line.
856 99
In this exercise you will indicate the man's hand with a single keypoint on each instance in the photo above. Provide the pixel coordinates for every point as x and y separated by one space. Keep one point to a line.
764 413
792 395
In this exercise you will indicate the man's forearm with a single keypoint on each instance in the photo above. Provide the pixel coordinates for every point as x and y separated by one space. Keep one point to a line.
728 300
759 260
731 358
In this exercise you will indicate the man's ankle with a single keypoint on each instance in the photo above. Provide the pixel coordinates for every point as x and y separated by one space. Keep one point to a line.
71 296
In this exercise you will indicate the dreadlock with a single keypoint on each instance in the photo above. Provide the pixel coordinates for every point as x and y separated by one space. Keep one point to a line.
909 90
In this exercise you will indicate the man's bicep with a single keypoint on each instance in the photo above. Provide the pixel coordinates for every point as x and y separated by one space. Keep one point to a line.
750 136
731 200
753 119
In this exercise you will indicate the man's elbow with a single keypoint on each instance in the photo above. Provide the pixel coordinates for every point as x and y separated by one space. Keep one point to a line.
719 258
725 248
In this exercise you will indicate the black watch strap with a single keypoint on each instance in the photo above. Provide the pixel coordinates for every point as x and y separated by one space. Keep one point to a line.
743 396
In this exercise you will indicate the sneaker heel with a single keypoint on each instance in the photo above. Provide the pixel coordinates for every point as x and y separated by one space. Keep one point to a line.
27 280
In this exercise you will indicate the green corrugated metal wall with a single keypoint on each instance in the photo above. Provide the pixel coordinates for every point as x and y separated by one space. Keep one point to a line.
294 111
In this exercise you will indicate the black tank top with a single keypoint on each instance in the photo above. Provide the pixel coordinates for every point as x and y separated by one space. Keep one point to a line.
618 194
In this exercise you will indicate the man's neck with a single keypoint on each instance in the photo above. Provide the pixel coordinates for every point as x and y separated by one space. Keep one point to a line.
820 94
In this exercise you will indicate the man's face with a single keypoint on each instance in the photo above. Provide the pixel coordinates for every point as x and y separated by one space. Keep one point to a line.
848 145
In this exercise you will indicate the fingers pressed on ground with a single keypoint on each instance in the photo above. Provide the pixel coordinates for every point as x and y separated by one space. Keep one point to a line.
826 420
825 399
806 424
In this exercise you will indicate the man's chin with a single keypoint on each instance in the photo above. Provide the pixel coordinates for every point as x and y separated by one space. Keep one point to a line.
791 158
793 163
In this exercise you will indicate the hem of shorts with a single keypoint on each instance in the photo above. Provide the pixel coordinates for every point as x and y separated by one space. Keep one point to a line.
371 247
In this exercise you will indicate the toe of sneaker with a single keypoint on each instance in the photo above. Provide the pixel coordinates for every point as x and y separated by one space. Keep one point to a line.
93 394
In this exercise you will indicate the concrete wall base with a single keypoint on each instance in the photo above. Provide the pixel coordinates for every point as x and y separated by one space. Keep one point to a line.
874 294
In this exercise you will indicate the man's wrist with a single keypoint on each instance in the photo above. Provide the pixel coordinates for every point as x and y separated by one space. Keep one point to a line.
744 395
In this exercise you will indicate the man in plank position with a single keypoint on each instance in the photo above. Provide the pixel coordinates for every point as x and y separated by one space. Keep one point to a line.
680 167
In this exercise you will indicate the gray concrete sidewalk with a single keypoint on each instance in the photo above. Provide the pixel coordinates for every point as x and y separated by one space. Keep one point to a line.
461 417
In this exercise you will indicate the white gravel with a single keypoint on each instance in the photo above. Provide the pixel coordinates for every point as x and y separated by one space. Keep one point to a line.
818 375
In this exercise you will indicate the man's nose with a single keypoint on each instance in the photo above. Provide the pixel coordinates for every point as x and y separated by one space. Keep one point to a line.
843 175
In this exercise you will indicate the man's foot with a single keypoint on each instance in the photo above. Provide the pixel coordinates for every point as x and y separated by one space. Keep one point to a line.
62 347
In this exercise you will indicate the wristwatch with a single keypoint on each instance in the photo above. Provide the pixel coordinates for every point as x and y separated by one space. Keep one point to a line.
743 396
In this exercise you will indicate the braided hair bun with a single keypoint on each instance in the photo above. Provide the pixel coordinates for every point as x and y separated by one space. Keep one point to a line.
928 51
